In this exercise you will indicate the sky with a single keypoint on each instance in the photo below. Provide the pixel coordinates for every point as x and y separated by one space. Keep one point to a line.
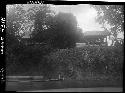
85 16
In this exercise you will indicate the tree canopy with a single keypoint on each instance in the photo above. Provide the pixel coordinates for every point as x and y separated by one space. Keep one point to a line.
66 29
112 15
59 30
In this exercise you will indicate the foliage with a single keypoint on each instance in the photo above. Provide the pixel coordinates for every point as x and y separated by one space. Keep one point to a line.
112 19
97 60
74 63
21 22
113 16
60 30
40 33
18 54
28 58
15 17
64 31
61 33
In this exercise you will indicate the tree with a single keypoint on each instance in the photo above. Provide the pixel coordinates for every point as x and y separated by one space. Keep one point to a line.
65 31
18 19
40 24
59 31
112 18
14 18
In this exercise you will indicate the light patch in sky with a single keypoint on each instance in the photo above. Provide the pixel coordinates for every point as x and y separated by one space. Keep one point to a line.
85 16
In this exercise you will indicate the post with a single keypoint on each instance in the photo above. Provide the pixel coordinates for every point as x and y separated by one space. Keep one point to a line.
59 76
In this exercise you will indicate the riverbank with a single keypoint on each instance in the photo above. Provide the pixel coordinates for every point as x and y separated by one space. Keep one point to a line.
33 85
100 89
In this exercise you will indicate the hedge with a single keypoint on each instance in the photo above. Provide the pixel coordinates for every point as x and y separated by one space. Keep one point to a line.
94 60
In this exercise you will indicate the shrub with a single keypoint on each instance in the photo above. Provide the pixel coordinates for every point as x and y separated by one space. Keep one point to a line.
72 63
98 60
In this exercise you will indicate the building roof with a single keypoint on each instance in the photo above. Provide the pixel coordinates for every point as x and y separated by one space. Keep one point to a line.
96 33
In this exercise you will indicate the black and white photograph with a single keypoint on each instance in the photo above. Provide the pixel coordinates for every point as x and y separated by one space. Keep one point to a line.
64 48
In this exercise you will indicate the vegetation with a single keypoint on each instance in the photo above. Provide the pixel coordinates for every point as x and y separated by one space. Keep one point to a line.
75 63
58 54
94 60
112 15
60 31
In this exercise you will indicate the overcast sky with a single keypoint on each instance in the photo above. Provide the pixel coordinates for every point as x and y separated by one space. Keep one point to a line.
85 15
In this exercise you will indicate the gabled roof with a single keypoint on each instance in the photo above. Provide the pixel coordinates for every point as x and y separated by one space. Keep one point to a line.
96 33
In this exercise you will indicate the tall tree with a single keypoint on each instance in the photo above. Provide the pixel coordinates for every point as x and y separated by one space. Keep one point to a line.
40 24
65 30
112 18
59 31
14 19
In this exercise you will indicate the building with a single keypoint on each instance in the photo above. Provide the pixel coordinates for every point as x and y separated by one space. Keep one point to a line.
95 37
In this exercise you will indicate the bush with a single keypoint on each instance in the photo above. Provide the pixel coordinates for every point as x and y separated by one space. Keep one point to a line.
98 60
71 63
26 57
